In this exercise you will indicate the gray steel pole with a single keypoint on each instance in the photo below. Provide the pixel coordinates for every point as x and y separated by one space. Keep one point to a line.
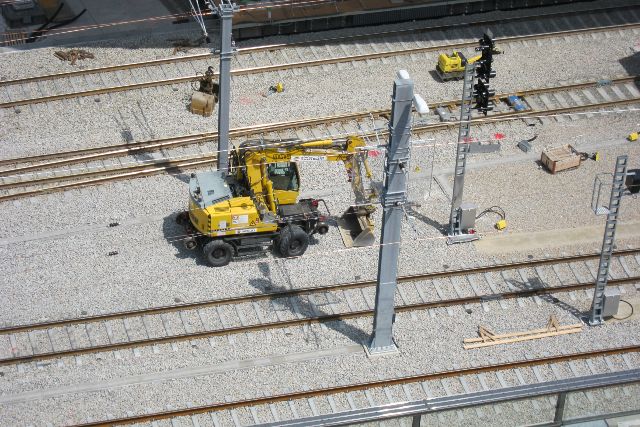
393 200
462 148
607 242
225 11
559 415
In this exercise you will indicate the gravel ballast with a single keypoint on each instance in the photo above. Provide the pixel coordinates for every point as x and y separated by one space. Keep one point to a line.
61 258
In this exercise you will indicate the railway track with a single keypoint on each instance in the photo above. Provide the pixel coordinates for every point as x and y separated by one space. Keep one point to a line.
339 52
278 308
36 175
414 387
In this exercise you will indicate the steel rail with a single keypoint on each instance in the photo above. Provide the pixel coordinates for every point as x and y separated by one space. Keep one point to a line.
312 63
166 163
95 153
296 395
198 160
107 69
280 324
302 291
271 47
131 172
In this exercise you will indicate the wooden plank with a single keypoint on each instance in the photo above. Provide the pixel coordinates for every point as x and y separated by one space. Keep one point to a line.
517 334
524 338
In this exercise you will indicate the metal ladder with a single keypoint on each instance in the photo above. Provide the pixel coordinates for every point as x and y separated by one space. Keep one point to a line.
608 241
462 148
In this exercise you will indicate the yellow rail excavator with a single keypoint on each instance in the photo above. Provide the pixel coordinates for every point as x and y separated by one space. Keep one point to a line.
256 204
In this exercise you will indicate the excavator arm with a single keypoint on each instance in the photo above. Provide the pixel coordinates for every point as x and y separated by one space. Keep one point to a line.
269 170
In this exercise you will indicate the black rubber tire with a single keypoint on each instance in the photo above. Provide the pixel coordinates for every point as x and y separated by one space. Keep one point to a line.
293 241
322 229
218 253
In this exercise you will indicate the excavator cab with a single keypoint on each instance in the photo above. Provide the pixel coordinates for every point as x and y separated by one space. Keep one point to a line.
284 176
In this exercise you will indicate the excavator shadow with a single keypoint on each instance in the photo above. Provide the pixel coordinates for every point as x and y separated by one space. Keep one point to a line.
174 234
300 305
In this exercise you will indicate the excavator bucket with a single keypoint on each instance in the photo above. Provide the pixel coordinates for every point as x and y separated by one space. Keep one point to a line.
356 227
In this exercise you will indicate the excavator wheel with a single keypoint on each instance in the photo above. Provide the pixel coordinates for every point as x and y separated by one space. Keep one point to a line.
218 253
293 241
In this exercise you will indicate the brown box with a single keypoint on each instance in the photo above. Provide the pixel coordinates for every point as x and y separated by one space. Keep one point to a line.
560 158
202 103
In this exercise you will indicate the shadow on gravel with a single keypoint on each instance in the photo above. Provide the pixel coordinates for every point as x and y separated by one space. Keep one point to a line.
536 283
433 223
174 234
300 305
137 119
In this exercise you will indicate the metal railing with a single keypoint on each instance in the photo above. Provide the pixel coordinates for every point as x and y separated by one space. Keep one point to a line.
415 410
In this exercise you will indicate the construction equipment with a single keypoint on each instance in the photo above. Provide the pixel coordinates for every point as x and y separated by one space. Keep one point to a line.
451 67
255 205
633 136
565 157
277 88
206 97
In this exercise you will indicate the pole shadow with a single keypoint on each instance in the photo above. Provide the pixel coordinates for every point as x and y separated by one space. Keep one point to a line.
299 304
536 283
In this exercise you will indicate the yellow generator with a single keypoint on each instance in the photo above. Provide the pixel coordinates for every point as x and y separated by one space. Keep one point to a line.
256 204
452 66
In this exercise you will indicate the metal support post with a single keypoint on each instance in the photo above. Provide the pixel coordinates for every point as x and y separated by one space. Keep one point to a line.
608 241
557 419
393 200
225 11
455 231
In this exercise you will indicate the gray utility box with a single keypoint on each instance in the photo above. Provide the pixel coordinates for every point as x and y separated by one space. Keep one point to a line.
611 302
524 145
467 215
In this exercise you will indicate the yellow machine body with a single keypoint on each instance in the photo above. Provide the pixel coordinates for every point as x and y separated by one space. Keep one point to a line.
264 183
633 136
229 217
452 66
501 225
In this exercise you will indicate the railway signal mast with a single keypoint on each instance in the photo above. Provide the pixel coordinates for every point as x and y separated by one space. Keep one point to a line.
462 216
482 91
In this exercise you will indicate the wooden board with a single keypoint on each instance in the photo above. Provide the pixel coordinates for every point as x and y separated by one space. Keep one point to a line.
488 338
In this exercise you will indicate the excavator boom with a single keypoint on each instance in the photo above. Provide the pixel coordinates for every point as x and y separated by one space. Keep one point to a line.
269 169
